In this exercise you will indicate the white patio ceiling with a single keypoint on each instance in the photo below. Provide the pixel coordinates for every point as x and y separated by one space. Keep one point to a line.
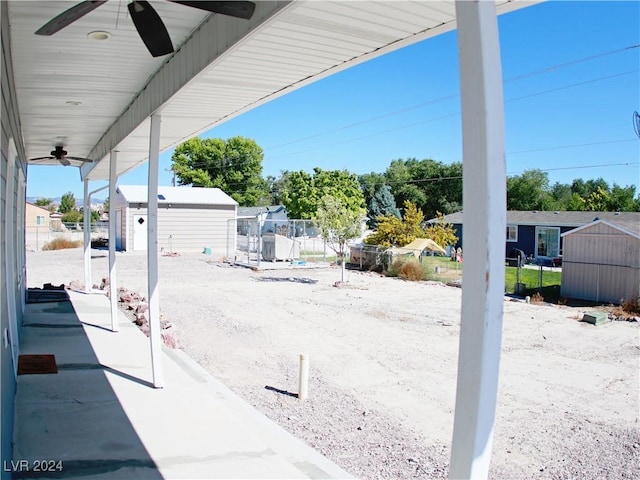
222 67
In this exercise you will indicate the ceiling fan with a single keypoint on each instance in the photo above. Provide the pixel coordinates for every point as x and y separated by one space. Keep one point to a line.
59 154
150 26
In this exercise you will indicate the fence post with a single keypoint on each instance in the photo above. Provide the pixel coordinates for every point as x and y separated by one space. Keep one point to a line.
540 280
303 380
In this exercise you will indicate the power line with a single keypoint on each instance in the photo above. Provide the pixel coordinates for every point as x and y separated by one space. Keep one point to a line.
549 69
569 146
353 139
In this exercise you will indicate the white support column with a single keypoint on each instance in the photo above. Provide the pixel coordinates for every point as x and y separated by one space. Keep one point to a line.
484 199
10 256
113 286
152 252
87 238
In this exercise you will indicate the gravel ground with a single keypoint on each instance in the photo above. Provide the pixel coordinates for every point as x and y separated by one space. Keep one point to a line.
383 355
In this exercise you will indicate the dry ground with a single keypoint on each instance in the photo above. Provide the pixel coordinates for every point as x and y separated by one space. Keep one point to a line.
383 365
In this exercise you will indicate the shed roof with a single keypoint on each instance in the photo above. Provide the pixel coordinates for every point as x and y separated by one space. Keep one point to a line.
557 218
631 228
177 195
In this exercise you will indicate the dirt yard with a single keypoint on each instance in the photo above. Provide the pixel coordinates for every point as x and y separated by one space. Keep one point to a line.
383 355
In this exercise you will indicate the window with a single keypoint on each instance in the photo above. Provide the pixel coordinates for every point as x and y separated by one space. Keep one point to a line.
40 220
512 233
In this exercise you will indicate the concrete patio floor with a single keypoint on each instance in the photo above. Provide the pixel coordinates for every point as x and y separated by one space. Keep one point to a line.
99 417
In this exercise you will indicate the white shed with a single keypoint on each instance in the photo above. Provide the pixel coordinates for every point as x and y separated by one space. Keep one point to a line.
189 219
601 261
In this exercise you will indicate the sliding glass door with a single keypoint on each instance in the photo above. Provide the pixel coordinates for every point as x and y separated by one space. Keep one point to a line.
547 242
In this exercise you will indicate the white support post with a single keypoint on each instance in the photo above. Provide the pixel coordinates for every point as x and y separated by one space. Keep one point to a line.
87 238
484 199
113 287
10 256
152 253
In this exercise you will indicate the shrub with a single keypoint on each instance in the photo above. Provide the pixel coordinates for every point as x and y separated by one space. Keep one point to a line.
406 269
537 298
60 243
412 270
631 306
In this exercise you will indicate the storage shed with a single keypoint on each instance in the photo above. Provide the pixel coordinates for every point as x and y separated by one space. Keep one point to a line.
189 219
602 261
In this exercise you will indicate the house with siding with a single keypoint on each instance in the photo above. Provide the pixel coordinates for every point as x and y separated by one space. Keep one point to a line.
539 233
189 219
36 217
601 261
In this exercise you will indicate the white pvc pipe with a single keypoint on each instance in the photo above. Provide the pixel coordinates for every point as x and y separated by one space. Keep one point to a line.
303 380
152 252
113 287
484 197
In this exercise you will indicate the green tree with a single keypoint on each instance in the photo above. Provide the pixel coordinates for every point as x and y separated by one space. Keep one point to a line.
576 203
400 176
67 203
72 216
302 192
598 201
622 199
370 183
382 204
561 196
233 165
43 202
105 205
93 215
431 185
529 191
396 232
441 231
338 224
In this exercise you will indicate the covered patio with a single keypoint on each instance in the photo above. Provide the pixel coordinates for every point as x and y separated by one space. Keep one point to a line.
93 96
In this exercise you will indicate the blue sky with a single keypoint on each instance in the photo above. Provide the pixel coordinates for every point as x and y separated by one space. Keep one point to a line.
571 85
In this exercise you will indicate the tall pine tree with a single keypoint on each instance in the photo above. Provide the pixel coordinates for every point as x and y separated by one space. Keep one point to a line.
382 204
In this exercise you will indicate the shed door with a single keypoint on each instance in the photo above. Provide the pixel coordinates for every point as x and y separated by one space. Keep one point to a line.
139 231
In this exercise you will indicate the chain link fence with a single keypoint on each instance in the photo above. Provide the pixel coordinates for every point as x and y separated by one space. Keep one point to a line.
253 241
37 236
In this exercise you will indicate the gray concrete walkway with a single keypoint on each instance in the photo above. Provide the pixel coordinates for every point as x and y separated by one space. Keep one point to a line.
100 417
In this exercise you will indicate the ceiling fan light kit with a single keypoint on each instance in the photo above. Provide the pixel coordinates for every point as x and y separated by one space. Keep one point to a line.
148 23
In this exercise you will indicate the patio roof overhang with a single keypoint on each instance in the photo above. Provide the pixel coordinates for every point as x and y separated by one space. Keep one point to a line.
96 96
107 102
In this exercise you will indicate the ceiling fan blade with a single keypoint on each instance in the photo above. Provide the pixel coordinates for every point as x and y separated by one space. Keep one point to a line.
80 159
40 159
69 16
233 9
150 28
64 161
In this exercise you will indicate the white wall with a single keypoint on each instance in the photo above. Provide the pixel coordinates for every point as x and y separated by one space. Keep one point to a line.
12 268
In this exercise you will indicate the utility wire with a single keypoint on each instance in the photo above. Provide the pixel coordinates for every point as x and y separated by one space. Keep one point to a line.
353 139
549 69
